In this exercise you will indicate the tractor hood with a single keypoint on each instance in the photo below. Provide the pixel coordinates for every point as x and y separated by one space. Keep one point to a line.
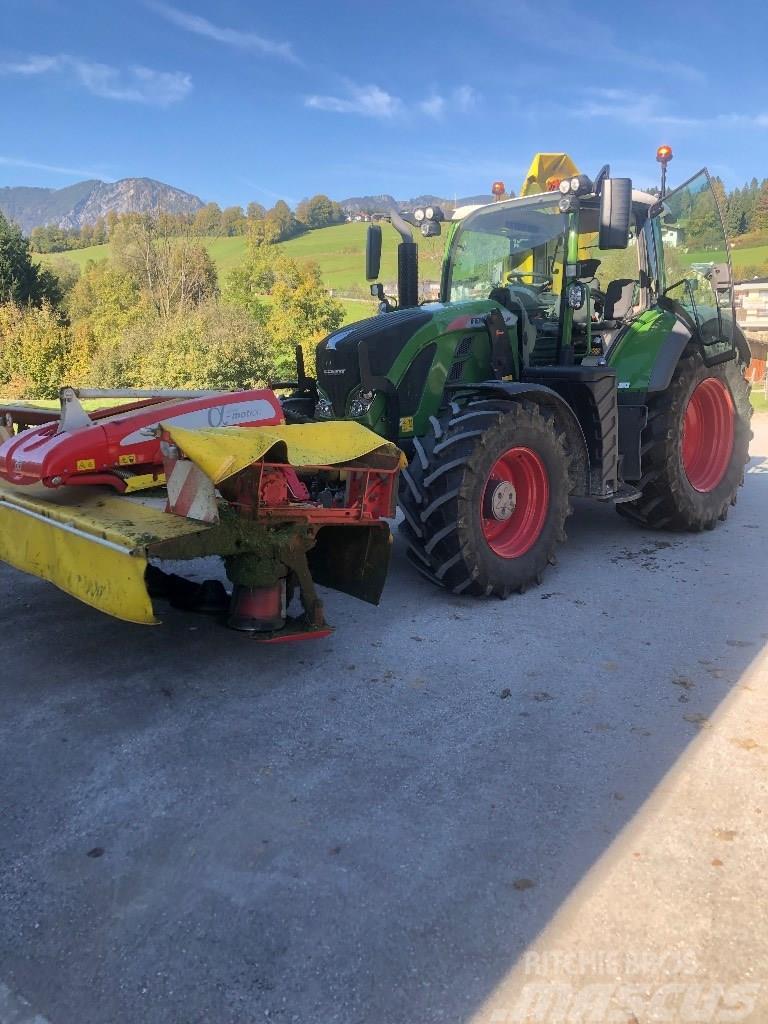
384 337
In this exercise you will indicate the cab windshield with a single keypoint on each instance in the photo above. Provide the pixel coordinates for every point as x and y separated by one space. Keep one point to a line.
520 245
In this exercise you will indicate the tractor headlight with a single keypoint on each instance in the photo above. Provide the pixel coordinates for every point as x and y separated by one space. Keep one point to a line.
565 186
419 214
323 408
361 403
575 184
429 213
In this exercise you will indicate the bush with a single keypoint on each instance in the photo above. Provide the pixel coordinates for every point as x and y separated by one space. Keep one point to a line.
749 271
299 310
211 346
35 346
66 272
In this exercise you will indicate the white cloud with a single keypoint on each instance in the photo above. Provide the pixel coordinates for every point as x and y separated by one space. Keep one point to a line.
621 105
559 37
465 98
366 100
34 65
137 85
134 85
373 101
461 100
69 172
229 36
434 106
630 108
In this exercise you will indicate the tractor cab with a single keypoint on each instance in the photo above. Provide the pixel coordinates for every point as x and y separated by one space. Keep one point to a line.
516 253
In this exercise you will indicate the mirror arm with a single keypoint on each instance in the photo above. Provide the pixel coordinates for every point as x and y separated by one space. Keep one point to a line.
401 225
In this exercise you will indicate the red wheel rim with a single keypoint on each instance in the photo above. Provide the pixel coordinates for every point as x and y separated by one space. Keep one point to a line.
708 427
514 503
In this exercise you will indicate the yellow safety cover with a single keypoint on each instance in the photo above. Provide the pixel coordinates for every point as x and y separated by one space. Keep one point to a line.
94 548
544 166
221 452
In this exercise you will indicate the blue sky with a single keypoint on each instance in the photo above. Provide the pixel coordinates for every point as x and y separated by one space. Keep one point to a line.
237 101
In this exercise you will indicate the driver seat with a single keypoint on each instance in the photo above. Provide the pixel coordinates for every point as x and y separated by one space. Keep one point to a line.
619 298
526 332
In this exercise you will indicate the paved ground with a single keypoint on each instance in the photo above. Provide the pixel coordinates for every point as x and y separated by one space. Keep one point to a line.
449 811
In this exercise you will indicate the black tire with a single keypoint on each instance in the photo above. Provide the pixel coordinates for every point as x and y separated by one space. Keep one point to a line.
444 488
669 500
298 410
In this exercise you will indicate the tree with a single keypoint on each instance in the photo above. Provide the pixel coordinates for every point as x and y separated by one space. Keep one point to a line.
104 302
300 311
173 272
21 280
255 211
34 350
233 220
281 221
66 272
246 284
99 232
212 346
208 220
319 212
760 222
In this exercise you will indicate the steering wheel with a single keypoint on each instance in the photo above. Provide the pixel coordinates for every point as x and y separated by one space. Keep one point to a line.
539 282
533 274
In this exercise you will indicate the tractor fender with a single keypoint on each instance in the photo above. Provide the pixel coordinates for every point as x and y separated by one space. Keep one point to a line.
576 444
742 345
668 356
673 347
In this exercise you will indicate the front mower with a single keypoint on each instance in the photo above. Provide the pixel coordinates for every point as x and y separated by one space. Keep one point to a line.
92 501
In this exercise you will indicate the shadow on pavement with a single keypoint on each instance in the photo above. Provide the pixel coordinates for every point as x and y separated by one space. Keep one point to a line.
370 829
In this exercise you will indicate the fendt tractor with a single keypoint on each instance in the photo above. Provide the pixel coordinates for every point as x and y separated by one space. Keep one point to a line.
576 349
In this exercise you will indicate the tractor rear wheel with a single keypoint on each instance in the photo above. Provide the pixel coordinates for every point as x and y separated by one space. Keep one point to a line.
486 496
695 447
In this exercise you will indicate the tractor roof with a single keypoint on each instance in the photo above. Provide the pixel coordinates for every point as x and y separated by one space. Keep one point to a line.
639 198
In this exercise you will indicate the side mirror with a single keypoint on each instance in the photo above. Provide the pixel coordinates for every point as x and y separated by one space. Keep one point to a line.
615 213
373 252
720 277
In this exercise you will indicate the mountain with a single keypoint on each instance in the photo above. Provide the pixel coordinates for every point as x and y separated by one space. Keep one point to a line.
383 203
86 201
369 204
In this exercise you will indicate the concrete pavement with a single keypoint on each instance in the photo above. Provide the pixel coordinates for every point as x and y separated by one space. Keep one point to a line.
413 822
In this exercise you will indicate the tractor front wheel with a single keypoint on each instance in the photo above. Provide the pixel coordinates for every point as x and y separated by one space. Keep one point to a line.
695 447
486 496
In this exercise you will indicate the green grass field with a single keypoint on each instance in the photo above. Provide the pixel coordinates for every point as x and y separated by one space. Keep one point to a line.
338 250
740 257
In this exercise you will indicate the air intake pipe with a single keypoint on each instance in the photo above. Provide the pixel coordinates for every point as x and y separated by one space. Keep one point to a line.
407 263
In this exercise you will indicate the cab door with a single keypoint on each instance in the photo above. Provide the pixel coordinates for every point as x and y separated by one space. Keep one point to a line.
695 275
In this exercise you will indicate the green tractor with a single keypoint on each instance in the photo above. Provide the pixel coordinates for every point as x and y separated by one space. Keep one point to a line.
574 351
